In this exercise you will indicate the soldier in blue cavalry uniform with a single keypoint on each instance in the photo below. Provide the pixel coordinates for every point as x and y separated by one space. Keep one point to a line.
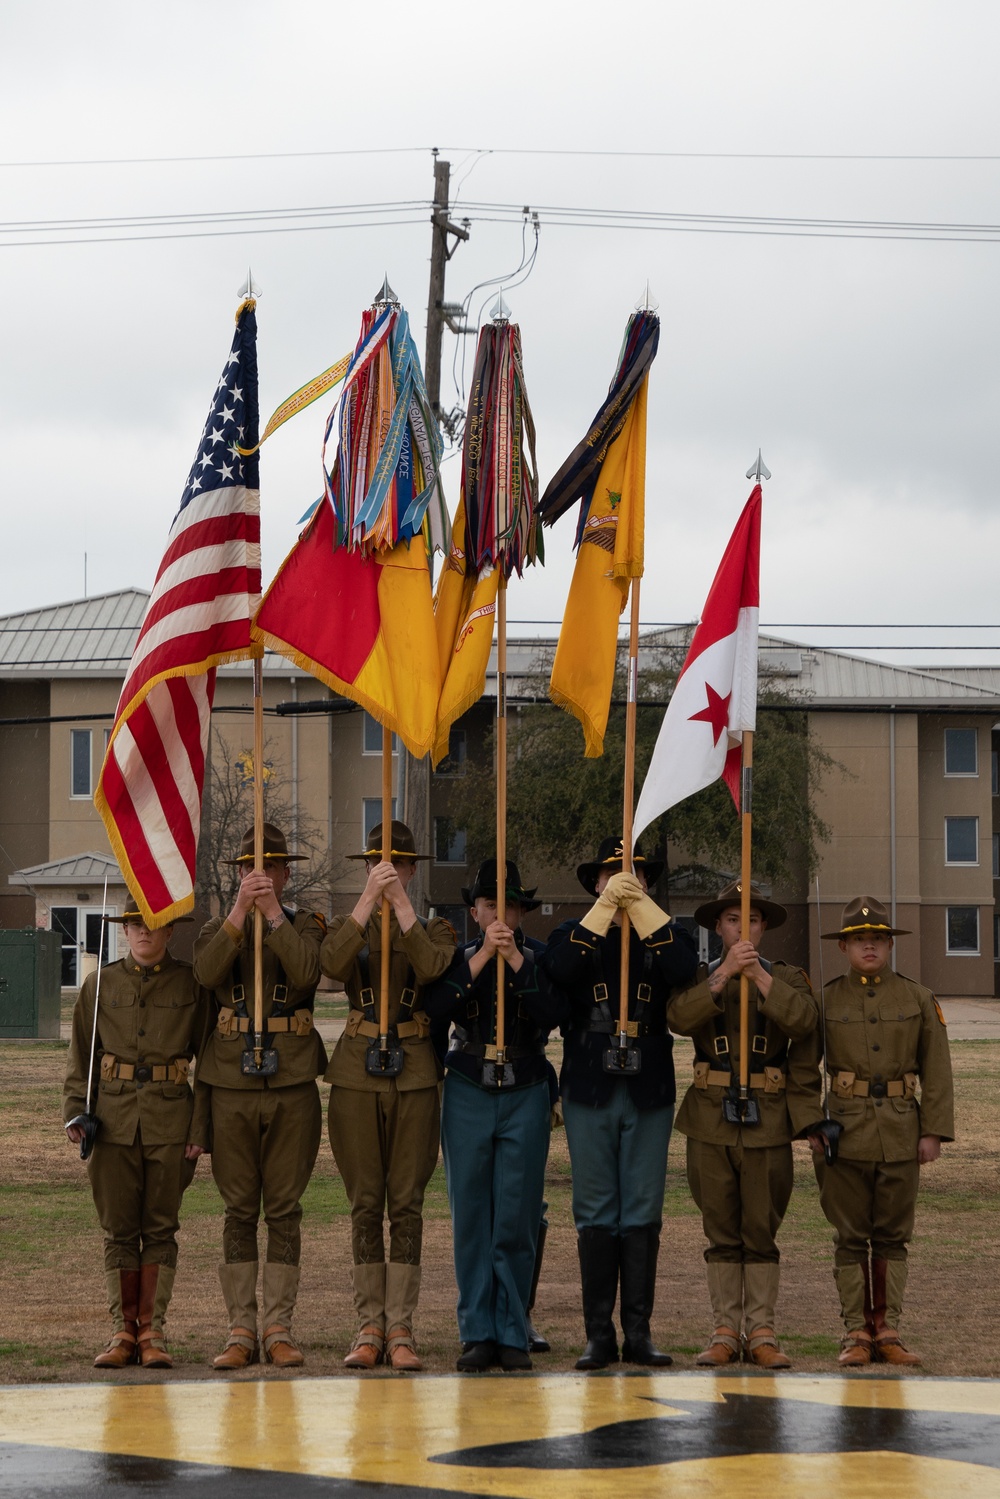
618 1122
495 1119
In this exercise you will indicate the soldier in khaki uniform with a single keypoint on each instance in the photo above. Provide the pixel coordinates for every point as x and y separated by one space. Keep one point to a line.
741 1176
884 1035
384 1131
266 1130
151 1024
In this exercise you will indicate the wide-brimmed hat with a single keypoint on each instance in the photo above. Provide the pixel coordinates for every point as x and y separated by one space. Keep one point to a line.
708 914
403 846
609 857
275 846
485 886
865 914
132 913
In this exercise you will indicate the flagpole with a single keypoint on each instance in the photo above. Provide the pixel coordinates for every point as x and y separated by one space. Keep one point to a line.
258 859
501 839
386 943
629 803
746 819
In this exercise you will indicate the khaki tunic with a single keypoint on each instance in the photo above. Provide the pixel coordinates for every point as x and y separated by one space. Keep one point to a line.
266 1130
878 1030
156 1016
384 1132
790 1015
741 1178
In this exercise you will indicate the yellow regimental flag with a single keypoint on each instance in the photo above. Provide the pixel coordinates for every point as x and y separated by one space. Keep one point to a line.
364 625
464 615
609 556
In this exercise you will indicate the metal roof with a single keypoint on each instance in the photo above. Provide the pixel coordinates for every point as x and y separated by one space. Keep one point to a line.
78 869
91 636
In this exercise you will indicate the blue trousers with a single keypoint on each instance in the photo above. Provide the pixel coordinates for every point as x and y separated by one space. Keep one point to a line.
619 1159
495 1146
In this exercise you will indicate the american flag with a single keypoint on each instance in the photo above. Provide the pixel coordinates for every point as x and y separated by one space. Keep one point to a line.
205 593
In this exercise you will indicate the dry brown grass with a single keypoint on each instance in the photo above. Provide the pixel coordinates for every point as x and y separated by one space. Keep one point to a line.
52 1316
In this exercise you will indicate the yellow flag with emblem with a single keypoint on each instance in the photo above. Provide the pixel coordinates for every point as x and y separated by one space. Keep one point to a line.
464 615
609 556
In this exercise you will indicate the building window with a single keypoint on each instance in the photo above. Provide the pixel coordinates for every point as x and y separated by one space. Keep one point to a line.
80 781
458 917
453 763
449 842
371 736
963 931
961 840
961 752
371 815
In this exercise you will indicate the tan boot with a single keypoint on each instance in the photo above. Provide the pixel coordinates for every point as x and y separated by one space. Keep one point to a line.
123 1303
760 1295
156 1283
402 1287
239 1287
855 1306
888 1285
369 1303
281 1287
725 1290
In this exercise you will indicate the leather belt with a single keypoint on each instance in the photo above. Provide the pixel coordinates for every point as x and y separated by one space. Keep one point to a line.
849 1085
771 1080
140 1073
486 1053
600 1024
405 1030
299 1024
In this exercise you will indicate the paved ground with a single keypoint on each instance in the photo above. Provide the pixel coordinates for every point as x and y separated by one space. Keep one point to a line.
561 1436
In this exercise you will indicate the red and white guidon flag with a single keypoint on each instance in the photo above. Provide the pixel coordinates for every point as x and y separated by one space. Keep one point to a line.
715 699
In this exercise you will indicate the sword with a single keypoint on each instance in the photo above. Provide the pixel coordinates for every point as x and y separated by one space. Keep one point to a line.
87 1121
829 1129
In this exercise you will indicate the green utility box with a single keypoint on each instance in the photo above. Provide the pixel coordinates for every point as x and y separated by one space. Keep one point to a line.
29 983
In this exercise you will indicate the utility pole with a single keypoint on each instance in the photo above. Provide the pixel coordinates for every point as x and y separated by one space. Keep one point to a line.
415 794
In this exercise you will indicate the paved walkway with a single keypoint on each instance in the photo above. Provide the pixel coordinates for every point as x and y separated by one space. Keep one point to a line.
568 1436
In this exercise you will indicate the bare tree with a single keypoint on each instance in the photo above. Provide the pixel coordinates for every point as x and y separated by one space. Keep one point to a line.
227 813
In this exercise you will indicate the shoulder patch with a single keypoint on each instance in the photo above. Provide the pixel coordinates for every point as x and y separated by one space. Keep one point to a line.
320 921
940 1013
449 928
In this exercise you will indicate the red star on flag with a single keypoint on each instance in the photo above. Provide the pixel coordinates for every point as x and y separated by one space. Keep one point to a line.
717 712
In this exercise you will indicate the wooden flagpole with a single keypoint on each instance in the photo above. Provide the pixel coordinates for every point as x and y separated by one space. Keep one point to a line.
629 799
501 839
386 944
746 809
258 857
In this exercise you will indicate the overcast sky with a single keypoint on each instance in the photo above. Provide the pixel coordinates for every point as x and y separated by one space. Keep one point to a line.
866 368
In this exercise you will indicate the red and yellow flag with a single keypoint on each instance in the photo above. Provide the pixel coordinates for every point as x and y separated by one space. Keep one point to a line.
364 625
464 616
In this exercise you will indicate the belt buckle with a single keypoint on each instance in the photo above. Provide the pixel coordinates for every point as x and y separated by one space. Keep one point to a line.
877 1089
142 1075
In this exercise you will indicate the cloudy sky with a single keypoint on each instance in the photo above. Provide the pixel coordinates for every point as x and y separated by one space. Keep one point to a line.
863 360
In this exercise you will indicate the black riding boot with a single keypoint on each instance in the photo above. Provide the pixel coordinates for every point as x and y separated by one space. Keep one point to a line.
536 1343
639 1250
599 1277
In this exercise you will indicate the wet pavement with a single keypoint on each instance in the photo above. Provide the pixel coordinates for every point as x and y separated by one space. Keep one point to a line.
561 1436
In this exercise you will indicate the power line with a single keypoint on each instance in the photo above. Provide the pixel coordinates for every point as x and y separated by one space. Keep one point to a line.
126 161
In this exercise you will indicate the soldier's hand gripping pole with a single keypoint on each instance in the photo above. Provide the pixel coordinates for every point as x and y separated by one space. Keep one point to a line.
87 1121
744 1109
258 1061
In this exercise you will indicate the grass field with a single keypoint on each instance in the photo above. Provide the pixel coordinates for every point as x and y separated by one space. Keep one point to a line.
53 1319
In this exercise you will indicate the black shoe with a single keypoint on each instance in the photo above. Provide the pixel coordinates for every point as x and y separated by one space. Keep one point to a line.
536 1343
513 1358
475 1357
598 1355
641 1351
